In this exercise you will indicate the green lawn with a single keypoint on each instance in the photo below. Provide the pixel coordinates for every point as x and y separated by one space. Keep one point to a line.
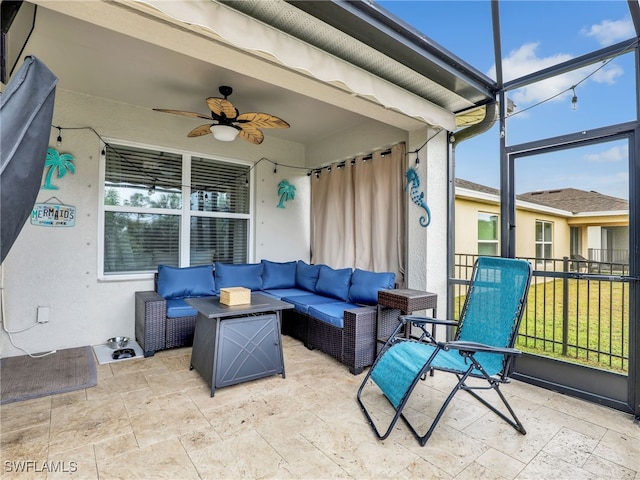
596 324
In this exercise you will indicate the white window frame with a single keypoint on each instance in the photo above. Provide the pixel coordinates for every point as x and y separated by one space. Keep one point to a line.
185 212
495 242
543 242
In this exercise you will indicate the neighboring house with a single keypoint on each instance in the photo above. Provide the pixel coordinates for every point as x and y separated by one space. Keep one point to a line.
551 224
346 85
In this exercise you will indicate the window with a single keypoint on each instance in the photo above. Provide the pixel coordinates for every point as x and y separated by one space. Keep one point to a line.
154 214
544 244
488 234
575 240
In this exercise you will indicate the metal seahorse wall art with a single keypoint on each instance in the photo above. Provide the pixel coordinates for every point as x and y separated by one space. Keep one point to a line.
417 196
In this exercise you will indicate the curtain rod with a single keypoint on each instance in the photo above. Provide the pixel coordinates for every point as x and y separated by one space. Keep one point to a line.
343 163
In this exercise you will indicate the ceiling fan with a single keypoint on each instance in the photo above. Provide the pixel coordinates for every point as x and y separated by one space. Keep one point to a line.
228 123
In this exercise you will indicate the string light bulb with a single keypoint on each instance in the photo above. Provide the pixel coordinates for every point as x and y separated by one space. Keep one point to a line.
574 99
59 139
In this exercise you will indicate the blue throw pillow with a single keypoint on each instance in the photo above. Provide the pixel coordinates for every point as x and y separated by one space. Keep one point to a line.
175 282
307 276
365 285
334 282
278 275
247 275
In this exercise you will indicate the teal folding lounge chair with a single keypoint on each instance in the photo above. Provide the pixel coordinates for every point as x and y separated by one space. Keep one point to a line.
482 346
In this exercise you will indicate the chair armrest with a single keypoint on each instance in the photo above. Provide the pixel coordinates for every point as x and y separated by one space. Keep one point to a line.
359 338
360 321
419 320
150 317
150 296
479 347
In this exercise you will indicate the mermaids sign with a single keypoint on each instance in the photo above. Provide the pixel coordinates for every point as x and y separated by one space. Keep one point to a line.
53 215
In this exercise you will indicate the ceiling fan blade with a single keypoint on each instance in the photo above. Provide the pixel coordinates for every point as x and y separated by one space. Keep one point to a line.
184 114
250 133
222 107
262 120
199 131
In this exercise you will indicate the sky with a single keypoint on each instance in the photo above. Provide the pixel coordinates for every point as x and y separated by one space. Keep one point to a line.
536 35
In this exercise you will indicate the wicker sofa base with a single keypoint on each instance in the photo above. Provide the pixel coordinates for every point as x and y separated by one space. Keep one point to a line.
352 345
295 324
154 330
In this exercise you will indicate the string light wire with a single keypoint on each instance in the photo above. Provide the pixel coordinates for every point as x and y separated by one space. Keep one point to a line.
624 49
154 180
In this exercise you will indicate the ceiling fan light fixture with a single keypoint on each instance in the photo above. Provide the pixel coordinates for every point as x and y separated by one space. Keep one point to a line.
228 123
224 133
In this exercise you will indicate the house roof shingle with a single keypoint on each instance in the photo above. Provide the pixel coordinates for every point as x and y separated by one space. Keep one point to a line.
476 187
575 200
570 199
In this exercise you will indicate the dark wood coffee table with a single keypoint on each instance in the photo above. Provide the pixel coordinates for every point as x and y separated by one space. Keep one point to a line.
234 344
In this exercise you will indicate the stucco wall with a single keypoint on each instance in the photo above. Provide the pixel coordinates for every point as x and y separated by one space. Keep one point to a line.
57 267
526 234
427 247
467 224
467 228
346 144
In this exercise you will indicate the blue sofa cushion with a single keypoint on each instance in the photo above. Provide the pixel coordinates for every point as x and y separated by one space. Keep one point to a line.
331 313
247 275
307 276
365 285
177 307
278 275
174 282
280 293
301 303
334 282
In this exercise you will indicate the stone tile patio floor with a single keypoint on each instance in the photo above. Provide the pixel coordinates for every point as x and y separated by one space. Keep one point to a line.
154 418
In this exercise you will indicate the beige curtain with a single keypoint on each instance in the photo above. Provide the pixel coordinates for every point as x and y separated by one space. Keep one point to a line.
358 214
332 223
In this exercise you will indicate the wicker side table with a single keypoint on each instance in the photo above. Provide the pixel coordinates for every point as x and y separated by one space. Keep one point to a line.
393 303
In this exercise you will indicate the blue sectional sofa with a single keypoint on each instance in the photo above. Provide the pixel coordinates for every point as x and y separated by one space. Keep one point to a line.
334 309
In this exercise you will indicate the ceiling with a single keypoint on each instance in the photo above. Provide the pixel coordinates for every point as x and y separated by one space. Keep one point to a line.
115 62
116 51
117 67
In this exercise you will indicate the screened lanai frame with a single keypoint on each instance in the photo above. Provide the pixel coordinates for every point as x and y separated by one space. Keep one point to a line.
457 86
508 156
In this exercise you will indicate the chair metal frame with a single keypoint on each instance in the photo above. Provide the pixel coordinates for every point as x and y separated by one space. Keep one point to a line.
466 349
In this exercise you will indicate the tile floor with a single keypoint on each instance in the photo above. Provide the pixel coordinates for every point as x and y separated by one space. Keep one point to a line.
153 418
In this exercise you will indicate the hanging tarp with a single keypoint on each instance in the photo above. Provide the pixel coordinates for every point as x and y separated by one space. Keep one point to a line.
26 110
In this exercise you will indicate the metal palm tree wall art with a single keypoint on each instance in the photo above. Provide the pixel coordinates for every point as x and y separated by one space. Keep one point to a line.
57 162
286 191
